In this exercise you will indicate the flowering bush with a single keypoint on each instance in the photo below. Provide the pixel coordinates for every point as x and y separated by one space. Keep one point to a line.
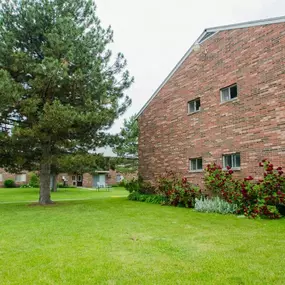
177 191
217 179
254 198
167 181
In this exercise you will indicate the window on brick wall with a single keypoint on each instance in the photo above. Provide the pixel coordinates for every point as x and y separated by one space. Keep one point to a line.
194 106
1 177
229 93
21 178
232 160
196 164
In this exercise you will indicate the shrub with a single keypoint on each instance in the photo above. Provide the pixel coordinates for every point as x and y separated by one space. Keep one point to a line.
140 186
260 198
34 181
133 185
183 195
217 179
26 186
177 191
215 205
9 183
120 184
167 181
146 188
153 199
61 185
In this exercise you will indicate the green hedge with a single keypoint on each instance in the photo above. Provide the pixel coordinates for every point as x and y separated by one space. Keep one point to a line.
149 198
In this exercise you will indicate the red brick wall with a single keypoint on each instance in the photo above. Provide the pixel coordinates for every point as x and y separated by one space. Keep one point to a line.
112 178
88 178
7 175
253 125
130 176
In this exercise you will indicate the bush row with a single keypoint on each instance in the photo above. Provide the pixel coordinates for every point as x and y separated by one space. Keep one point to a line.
149 198
171 189
34 183
253 198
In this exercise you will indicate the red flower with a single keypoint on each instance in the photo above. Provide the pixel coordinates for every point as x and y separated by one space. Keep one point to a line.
231 172
260 164
248 178
280 172
279 168
184 180
228 167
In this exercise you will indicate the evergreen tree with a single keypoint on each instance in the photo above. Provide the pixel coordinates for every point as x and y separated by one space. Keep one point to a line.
60 90
127 140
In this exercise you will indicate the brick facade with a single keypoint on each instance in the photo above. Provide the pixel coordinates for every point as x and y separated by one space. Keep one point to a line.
87 178
6 175
253 124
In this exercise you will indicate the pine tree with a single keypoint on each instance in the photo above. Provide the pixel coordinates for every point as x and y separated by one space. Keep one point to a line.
60 90
127 141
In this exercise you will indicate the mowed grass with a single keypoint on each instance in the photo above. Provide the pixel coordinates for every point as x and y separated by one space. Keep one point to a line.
110 240
15 195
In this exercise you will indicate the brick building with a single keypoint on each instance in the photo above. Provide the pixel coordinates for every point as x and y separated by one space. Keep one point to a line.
224 102
19 178
88 180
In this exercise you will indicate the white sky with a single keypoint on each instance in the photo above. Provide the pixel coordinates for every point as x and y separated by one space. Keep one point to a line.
154 34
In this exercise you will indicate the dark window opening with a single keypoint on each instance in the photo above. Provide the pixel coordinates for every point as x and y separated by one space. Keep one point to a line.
233 91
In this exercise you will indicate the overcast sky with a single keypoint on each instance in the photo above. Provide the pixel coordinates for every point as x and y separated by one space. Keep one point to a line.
154 34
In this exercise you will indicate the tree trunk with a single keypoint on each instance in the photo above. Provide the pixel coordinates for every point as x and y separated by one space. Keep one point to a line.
53 182
45 178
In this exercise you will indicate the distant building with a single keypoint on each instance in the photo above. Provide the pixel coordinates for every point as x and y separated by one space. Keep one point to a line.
98 178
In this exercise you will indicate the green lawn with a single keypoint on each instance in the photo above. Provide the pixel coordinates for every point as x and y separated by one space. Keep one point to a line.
102 238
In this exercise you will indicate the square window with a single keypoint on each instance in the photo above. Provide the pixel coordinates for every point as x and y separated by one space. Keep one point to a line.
196 164
194 106
21 178
229 93
232 160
